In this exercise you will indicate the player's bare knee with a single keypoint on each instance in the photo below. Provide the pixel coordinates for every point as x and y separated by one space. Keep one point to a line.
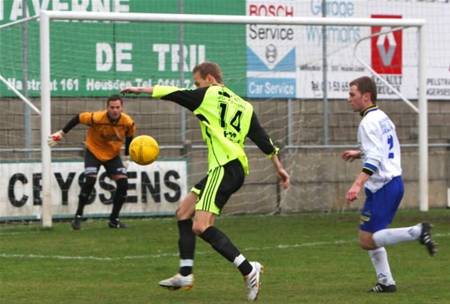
186 210
365 246
366 243
180 214
177 214
183 212
198 228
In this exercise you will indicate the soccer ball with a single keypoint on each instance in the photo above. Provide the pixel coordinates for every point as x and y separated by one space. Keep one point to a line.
144 150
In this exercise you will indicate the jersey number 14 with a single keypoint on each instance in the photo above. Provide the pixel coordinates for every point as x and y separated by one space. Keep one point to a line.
235 121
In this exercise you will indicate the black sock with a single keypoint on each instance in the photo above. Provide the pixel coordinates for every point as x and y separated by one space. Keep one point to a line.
186 244
119 198
223 245
80 209
82 201
185 270
117 206
245 268
83 198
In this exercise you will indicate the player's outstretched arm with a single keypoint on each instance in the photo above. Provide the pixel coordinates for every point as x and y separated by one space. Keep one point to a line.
137 90
56 137
281 172
351 155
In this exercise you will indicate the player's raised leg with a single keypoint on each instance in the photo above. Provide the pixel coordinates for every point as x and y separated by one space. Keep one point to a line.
420 232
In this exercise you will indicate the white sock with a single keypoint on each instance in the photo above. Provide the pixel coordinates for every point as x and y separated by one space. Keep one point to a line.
381 265
238 260
396 235
186 263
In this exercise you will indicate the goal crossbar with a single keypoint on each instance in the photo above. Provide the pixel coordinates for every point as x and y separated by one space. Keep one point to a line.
46 16
231 19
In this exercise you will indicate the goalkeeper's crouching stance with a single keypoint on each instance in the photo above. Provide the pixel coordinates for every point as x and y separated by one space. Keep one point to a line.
226 120
107 132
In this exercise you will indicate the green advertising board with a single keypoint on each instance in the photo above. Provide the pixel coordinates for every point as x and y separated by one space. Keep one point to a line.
98 58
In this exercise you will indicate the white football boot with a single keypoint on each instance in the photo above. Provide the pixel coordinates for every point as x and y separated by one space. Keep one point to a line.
253 281
178 282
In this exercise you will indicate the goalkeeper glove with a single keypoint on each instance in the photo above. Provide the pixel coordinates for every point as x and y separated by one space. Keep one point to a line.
126 161
55 138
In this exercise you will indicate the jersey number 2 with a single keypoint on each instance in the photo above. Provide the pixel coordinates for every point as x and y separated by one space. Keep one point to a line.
390 141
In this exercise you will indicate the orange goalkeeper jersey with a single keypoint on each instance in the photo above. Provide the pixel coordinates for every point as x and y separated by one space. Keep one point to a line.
105 138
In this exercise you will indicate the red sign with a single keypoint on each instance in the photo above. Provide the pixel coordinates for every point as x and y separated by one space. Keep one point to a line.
386 52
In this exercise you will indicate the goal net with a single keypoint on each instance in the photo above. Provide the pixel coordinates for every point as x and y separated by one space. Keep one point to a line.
75 60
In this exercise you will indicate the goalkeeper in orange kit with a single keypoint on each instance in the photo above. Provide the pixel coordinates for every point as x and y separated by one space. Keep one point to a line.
107 132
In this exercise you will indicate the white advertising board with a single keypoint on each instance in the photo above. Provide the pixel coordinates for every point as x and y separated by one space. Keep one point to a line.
153 189
286 61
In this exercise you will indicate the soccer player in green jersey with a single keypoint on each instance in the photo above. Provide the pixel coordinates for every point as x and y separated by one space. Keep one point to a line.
226 120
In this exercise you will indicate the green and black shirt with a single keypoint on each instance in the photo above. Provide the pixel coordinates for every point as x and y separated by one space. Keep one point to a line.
226 120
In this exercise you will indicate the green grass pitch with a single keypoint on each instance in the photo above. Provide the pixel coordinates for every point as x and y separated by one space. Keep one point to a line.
308 258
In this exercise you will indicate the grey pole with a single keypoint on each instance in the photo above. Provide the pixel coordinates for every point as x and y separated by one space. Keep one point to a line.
28 139
325 77
290 122
181 69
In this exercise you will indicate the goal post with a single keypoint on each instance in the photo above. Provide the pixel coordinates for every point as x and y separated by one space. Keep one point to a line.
46 157
45 51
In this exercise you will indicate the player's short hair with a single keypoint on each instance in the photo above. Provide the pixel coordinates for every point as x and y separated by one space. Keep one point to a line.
366 84
114 98
210 68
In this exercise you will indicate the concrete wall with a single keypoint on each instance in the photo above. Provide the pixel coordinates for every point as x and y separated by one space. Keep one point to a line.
319 177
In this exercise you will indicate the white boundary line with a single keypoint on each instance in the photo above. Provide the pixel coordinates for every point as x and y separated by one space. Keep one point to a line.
17 233
162 255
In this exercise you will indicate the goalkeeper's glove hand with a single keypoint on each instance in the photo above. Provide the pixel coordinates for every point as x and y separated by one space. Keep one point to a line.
55 138
126 161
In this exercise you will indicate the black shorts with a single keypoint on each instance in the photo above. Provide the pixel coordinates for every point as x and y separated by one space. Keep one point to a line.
215 189
113 166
